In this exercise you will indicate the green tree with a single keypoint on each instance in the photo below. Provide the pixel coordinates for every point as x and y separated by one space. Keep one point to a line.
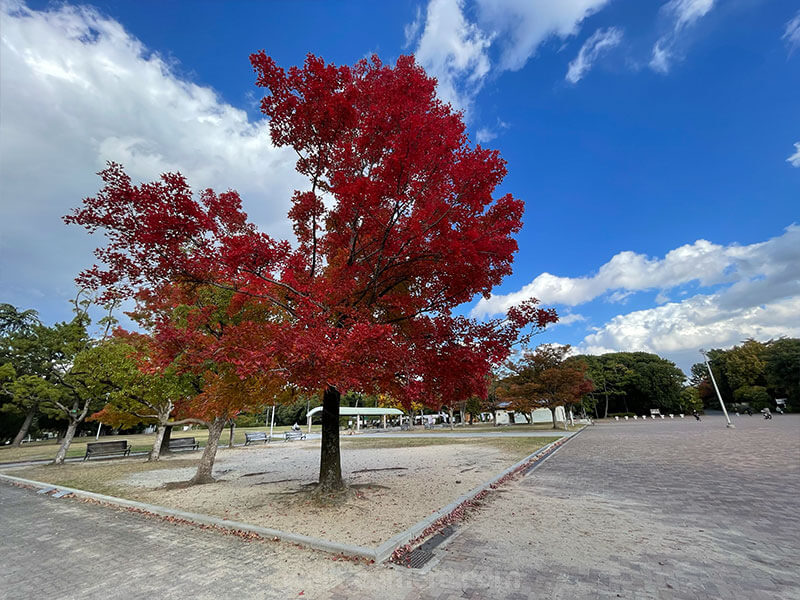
746 365
755 396
38 355
782 369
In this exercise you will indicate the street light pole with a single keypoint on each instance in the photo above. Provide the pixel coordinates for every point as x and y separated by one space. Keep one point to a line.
716 389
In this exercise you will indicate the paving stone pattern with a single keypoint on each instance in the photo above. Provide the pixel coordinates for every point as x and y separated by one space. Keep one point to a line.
662 509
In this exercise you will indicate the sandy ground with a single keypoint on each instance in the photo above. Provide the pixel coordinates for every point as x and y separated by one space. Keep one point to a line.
393 488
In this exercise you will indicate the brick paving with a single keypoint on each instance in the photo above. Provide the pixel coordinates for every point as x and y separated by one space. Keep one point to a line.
664 509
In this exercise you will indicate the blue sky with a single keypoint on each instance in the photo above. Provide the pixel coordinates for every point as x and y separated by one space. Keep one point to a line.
656 144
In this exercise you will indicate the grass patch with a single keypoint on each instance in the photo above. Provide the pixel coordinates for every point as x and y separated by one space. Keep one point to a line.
98 477
516 447
46 450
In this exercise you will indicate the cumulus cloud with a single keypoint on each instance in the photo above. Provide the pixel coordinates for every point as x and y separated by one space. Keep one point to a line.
79 90
682 14
756 293
600 41
769 263
715 320
454 51
791 34
794 159
455 48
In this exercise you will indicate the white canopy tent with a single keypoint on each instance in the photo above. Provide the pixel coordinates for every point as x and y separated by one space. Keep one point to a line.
357 412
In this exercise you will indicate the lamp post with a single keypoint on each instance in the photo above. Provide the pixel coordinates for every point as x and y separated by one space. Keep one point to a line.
716 389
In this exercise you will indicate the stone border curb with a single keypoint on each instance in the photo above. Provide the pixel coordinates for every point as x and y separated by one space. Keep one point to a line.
195 518
413 534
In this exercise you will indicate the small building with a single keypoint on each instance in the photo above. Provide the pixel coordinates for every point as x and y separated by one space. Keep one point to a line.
359 412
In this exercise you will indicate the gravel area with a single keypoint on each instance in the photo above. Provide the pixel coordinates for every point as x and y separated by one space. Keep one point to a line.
392 488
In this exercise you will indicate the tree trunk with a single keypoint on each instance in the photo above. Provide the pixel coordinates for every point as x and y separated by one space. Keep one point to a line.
230 438
452 424
555 425
62 451
206 465
155 451
605 413
165 440
330 464
26 424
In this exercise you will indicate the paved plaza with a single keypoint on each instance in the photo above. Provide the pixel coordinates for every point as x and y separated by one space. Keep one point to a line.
657 509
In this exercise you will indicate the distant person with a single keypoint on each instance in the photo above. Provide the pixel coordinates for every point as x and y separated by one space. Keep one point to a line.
749 411
696 414
295 427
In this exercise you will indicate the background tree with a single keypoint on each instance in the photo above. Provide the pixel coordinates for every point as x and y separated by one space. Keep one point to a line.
138 393
637 381
753 372
364 300
542 379
782 369
38 355
610 378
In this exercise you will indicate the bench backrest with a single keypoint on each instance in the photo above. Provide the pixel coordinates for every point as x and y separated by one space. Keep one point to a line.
294 434
107 446
259 435
182 441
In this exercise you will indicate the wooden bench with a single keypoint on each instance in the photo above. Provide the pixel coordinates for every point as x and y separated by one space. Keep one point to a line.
185 443
257 436
294 435
107 448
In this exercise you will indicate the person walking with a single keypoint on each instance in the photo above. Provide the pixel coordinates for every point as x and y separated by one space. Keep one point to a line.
696 415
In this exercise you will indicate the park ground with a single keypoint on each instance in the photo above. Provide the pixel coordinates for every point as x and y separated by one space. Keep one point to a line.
659 509
141 443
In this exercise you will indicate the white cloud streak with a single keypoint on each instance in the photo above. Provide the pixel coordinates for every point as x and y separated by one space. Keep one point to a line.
456 49
79 90
600 41
791 34
682 14
794 159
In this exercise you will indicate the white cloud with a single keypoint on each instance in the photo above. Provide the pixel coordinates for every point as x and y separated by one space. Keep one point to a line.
521 26
769 262
77 90
600 41
455 48
682 14
570 318
487 134
792 33
484 135
700 321
454 51
411 30
794 159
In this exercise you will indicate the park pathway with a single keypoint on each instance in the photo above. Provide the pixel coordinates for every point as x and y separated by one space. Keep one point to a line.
655 510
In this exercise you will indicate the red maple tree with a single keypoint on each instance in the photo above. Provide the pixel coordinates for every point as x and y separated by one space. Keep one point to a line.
398 227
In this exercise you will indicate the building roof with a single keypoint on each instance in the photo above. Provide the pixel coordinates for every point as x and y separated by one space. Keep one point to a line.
347 411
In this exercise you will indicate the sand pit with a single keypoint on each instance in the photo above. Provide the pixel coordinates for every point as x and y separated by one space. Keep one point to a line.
392 488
